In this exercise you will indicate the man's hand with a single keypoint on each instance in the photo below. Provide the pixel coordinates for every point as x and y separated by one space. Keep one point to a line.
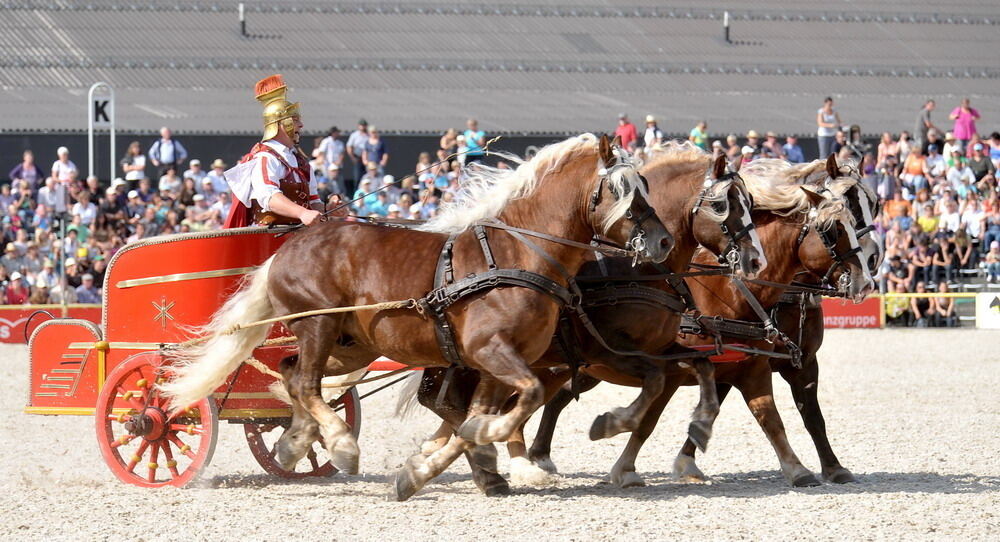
334 205
310 216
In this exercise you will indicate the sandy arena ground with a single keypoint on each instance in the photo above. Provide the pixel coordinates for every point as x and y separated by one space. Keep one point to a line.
915 415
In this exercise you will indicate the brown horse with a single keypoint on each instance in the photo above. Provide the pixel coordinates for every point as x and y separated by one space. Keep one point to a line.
794 231
571 191
701 204
800 316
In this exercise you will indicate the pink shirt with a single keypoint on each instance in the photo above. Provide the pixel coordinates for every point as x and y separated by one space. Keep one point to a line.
965 124
628 134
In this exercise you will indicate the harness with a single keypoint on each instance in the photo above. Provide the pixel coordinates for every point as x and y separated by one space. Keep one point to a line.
829 237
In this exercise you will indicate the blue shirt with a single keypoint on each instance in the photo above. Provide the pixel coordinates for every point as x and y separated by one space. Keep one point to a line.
471 141
793 153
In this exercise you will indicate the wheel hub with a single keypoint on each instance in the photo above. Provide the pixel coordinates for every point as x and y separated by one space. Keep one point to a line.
149 424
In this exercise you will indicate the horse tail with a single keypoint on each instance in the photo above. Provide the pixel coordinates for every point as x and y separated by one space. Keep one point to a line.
202 367
406 401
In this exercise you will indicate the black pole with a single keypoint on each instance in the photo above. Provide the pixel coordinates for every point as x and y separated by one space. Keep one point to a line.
725 26
243 22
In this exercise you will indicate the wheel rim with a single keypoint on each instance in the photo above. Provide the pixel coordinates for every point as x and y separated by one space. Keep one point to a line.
141 442
261 437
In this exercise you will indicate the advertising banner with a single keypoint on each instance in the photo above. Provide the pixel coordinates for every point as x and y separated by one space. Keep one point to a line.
988 311
838 313
13 318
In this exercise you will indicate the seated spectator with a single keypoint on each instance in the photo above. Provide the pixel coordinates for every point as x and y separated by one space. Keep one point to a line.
896 274
733 149
217 176
86 292
993 262
950 218
981 165
994 153
11 260
928 220
47 276
921 307
73 277
222 205
944 308
170 182
943 260
935 167
195 172
896 307
770 148
965 255
913 175
83 208
898 209
16 292
972 219
381 205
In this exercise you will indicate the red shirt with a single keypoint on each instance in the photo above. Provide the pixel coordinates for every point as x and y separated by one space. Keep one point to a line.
17 296
628 134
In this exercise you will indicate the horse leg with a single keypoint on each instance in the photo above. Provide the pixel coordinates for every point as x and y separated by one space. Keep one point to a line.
755 385
685 468
316 336
453 410
522 470
804 383
297 439
623 472
700 428
420 469
541 447
503 362
620 420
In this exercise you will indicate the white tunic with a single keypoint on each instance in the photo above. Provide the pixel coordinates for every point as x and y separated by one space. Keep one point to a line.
259 178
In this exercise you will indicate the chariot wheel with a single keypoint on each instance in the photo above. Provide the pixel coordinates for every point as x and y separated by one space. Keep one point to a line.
262 436
142 443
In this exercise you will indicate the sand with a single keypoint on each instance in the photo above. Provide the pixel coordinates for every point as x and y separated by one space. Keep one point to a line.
914 414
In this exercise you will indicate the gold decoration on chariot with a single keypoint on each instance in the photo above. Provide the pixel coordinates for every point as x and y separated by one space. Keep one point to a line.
121 419
141 383
180 277
136 458
190 429
171 463
185 449
152 465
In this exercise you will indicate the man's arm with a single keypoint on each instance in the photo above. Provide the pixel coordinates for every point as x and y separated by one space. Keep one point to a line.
181 152
154 153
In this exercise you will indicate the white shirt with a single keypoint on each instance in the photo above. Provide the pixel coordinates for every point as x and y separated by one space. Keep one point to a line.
63 171
259 178
136 174
333 151
54 198
87 214
219 184
973 221
950 221
936 165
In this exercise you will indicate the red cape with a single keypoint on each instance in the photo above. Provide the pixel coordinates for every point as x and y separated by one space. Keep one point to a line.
240 216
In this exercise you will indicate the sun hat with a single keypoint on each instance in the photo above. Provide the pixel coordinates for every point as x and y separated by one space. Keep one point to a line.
219 163
752 133
650 118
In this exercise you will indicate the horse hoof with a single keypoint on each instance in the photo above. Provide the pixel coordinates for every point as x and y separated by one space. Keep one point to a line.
498 489
627 480
603 427
840 475
700 433
545 463
404 486
806 480
524 473
345 456
685 470
477 429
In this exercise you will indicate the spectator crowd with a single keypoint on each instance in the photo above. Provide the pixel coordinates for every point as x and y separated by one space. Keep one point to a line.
940 215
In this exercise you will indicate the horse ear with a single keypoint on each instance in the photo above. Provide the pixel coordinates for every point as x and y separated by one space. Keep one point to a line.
832 169
814 198
604 149
719 169
617 142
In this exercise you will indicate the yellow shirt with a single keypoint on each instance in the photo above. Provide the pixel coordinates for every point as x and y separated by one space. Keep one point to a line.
929 223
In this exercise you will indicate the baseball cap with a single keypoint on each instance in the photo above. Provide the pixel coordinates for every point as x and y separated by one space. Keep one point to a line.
48 263
932 147
199 197
622 116
87 276
195 162
747 149
206 180
363 122
394 208
117 182
70 261
650 118
771 134
978 146
133 194
388 179
15 275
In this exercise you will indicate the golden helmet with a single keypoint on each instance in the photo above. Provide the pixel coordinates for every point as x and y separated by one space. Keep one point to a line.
278 111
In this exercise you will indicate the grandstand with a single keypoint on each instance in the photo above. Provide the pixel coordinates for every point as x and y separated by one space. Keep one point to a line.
528 67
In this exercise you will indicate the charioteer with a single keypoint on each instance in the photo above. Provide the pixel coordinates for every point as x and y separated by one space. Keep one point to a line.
273 183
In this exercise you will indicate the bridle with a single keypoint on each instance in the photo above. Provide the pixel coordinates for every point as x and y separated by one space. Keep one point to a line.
829 236
731 254
637 235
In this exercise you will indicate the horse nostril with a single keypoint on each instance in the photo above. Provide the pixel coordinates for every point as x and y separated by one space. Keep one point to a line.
666 243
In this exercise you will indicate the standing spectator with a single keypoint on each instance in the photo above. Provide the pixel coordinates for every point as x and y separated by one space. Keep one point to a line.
698 135
475 141
16 292
53 196
792 150
652 136
375 151
733 149
63 169
27 171
449 141
905 144
356 150
771 148
134 164
924 123
995 148
913 172
626 130
839 144
993 262
886 148
86 292
167 152
828 124
331 149
195 172
217 177
965 118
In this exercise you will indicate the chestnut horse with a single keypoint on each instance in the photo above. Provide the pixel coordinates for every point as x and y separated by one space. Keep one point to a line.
700 204
570 191
800 316
790 221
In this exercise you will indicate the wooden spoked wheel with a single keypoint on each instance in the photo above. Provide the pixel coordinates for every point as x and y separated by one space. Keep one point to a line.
142 443
262 437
